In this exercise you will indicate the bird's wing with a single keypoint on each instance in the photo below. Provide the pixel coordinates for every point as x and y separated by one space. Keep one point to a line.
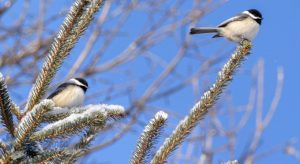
60 88
239 17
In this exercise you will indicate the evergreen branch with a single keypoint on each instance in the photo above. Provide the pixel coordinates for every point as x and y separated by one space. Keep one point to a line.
59 113
87 138
3 147
5 107
5 158
45 157
16 110
91 8
113 111
72 124
79 17
31 120
201 108
148 137
80 148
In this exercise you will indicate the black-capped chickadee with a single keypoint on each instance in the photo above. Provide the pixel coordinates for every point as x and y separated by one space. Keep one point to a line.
243 26
70 93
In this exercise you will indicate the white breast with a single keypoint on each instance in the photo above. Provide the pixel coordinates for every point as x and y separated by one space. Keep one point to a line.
238 30
70 97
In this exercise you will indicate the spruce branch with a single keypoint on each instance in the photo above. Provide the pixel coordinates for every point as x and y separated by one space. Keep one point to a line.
80 148
3 147
45 157
5 158
79 17
6 106
87 138
72 124
113 111
31 120
201 108
16 110
148 137
59 113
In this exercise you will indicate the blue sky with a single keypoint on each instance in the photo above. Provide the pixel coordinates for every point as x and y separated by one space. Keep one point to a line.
277 44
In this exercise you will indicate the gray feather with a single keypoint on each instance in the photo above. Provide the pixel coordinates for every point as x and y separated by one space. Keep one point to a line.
203 30
239 17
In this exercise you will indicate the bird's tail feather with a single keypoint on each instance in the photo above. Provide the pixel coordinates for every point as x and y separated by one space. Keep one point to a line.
203 30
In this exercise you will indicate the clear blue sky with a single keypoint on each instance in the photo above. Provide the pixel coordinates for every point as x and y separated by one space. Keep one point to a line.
277 43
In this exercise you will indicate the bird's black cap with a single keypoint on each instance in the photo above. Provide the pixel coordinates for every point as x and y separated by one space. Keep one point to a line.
256 13
83 81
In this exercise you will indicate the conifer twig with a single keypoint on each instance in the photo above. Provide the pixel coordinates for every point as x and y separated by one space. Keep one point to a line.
5 158
45 157
6 106
201 108
80 148
60 113
16 110
148 137
71 124
114 112
3 147
31 120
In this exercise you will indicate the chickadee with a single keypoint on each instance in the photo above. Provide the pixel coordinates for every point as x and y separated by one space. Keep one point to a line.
243 26
70 93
